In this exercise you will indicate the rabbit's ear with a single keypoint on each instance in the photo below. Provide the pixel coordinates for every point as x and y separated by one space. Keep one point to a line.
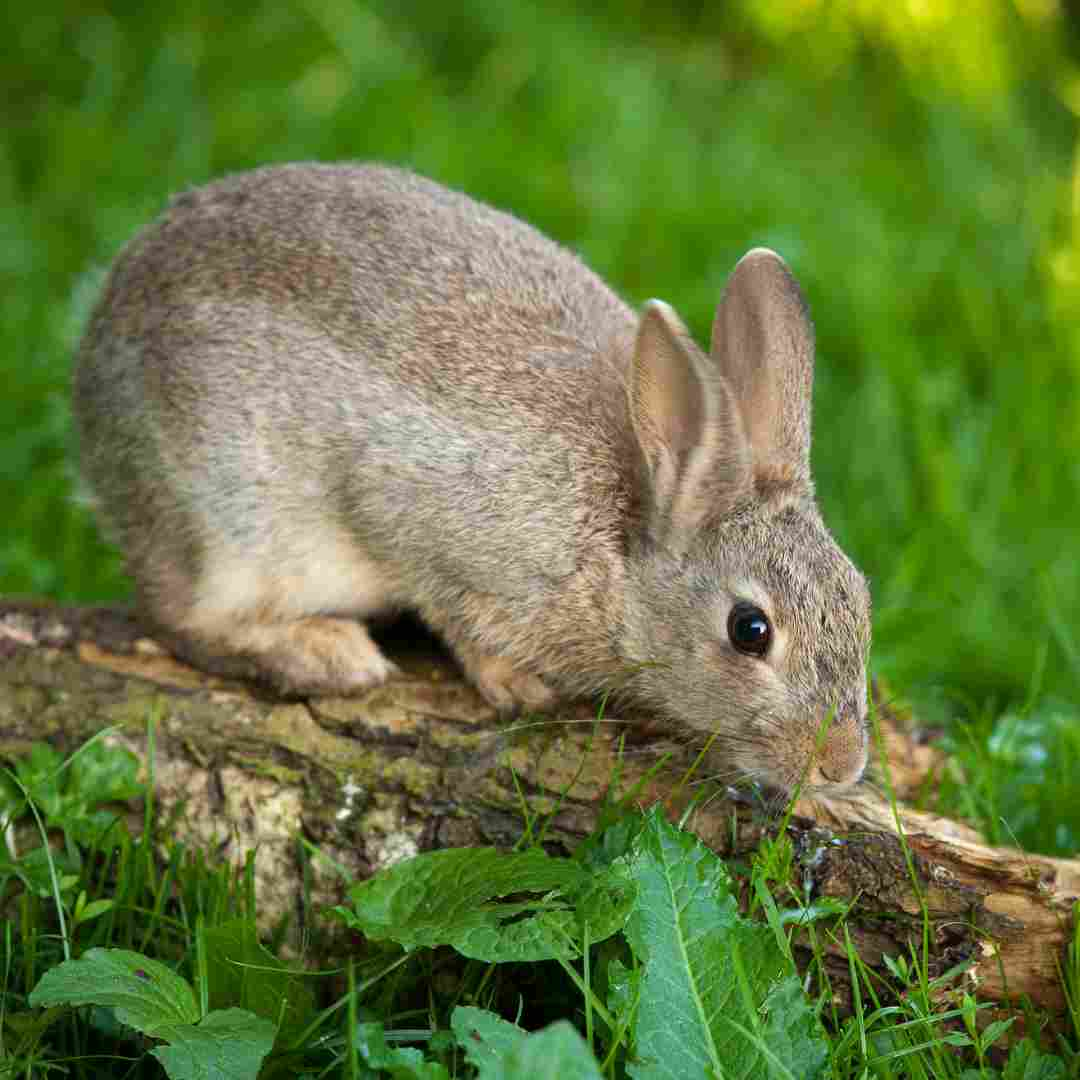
763 345
696 456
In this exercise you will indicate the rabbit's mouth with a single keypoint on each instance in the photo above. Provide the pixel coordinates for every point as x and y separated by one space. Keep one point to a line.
783 757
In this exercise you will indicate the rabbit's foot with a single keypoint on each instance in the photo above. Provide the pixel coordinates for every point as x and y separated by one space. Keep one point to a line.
323 656
503 685
316 656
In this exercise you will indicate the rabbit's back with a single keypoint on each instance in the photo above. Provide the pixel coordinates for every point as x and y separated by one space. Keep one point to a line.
421 275
353 367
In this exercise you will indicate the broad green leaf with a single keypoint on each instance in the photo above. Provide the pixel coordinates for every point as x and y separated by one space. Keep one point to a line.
402 1063
705 1007
241 972
485 1037
1026 1062
103 773
455 898
557 1052
145 994
226 1045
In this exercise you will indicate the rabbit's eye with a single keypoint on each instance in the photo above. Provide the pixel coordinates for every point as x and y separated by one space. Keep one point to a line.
749 630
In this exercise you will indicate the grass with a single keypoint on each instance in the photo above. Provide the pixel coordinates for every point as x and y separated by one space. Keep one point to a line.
918 175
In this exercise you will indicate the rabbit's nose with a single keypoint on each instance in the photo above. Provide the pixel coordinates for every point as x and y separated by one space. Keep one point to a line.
841 756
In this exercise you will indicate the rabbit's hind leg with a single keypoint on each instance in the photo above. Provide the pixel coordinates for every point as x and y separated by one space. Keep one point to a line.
289 620
319 655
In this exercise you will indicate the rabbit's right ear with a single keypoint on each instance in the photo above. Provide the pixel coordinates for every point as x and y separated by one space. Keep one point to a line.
763 346
694 449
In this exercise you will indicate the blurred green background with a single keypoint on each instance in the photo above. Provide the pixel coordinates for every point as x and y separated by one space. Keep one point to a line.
914 160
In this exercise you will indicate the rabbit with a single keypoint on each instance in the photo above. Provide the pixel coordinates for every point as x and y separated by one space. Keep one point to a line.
314 393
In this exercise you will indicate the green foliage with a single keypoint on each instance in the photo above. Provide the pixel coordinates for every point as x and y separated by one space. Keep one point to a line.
557 1052
69 796
145 994
1019 768
716 992
228 1044
67 793
456 897
400 1063
708 973
1027 1063
485 1037
244 973
651 967
93 902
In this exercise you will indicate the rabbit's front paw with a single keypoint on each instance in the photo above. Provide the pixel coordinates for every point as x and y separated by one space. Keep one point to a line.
508 688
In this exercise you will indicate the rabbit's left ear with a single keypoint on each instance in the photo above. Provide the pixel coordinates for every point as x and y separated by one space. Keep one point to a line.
763 345
695 454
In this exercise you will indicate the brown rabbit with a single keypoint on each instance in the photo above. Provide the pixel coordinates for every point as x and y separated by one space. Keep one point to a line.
312 393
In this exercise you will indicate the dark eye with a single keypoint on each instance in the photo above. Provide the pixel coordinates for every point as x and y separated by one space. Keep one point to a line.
748 628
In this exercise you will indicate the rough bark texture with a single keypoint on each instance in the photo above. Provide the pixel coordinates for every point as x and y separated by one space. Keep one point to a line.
423 763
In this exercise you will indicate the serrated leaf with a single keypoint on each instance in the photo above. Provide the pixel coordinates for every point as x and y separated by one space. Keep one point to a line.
709 975
557 1052
1027 1062
145 994
485 1037
229 1044
456 898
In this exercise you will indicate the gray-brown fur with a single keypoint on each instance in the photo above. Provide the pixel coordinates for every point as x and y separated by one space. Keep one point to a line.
313 393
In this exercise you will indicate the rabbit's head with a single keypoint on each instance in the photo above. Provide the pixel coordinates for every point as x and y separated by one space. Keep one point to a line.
743 618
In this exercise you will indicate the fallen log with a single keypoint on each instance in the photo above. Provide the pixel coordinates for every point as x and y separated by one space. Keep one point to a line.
424 763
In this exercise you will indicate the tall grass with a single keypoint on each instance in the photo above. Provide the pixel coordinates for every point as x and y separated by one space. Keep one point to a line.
916 170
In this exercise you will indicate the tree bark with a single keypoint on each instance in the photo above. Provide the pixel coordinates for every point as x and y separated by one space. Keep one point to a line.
424 763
